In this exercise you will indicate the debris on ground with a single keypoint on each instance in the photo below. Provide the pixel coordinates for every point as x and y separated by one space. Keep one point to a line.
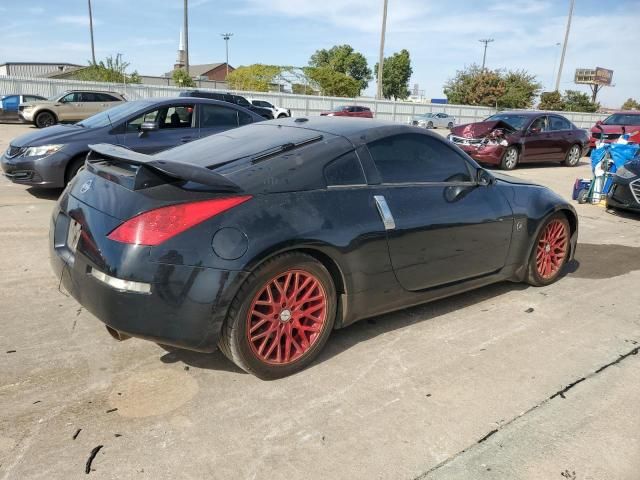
111 410
92 455
75 435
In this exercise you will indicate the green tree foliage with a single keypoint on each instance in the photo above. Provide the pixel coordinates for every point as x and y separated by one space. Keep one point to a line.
396 72
477 86
551 101
182 78
631 104
344 59
575 101
256 77
302 89
333 83
111 69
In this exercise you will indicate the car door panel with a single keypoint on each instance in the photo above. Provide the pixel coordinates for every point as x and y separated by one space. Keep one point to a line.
537 145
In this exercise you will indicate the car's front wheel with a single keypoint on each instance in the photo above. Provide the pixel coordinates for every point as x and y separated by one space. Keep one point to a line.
281 317
45 119
510 158
550 252
450 125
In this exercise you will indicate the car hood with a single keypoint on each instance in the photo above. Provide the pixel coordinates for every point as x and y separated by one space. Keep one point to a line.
503 177
480 129
56 134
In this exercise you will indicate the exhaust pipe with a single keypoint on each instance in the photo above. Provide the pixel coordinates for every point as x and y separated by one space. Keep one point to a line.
119 336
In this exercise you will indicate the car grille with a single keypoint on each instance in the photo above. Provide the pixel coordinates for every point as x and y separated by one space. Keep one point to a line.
607 136
14 151
635 189
465 141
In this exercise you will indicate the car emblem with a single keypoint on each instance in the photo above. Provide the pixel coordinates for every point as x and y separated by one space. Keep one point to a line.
86 186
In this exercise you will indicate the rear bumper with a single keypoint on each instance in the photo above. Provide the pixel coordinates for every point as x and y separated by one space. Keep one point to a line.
36 171
185 307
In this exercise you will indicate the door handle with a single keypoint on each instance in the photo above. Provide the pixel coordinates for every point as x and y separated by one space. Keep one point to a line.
385 212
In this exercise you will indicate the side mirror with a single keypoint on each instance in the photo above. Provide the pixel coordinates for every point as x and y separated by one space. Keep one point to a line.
484 178
149 127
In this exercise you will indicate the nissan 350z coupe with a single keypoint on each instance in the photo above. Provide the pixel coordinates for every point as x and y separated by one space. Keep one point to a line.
263 239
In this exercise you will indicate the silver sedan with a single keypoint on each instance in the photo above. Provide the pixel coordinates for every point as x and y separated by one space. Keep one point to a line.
433 120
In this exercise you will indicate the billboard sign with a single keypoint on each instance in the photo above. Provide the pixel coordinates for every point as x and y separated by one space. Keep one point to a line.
603 76
591 76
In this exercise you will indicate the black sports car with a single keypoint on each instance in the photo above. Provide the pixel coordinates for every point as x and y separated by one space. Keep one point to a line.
265 238
625 191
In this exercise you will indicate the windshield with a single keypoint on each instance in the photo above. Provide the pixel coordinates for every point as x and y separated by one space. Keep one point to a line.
339 109
56 96
113 115
516 121
425 115
623 119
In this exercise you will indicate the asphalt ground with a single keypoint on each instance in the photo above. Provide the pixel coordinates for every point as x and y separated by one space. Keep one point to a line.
506 382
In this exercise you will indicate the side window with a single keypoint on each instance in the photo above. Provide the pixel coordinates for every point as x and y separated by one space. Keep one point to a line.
411 158
179 116
344 170
559 123
217 116
70 98
134 125
244 118
88 97
104 97
539 124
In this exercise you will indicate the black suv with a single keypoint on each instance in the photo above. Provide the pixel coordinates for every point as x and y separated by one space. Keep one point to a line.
228 97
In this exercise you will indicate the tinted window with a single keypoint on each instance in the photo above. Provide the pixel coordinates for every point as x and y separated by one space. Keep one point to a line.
417 158
559 123
88 97
241 101
103 97
31 98
178 116
539 124
244 118
72 97
217 116
344 170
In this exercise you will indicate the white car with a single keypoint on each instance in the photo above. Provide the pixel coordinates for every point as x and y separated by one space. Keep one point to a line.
433 120
277 111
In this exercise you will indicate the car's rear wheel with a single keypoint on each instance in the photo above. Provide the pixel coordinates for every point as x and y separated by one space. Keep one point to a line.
573 156
282 115
430 125
281 317
510 158
550 252
45 119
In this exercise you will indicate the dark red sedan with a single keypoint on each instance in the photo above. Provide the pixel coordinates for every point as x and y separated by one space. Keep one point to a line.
349 111
612 127
507 139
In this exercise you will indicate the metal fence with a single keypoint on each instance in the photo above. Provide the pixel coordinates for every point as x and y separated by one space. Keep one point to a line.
298 104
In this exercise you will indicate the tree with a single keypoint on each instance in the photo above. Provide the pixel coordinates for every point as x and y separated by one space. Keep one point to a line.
333 83
112 70
302 89
396 72
631 104
344 59
492 88
256 77
182 78
575 101
551 101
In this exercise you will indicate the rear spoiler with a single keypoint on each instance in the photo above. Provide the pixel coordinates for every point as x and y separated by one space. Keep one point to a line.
168 168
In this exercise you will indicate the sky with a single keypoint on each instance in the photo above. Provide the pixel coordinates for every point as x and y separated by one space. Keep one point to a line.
441 35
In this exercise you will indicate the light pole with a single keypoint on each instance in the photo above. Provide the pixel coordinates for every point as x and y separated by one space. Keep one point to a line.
486 42
555 60
227 37
564 46
381 59
186 36
93 51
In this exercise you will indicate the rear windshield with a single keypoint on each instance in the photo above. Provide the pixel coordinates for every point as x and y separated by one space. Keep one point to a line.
623 119
339 109
247 141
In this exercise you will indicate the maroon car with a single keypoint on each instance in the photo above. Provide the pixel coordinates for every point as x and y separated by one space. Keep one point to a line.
615 125
507 139
350 111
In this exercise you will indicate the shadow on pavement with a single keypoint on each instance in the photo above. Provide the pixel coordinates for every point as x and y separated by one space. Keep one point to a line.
597 262
45 193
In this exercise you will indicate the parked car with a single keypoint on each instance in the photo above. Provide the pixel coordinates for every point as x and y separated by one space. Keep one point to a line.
230 98
433 120
625 190
276 111
349 111
263 240
9 106
51 157
612 127
508 139
70 106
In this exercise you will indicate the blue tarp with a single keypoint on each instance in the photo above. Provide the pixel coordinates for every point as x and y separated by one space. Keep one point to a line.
620 154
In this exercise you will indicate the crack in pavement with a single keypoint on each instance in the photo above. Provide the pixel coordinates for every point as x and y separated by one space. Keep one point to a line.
560 393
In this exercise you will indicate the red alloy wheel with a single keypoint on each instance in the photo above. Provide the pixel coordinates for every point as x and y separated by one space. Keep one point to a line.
552 249
286 317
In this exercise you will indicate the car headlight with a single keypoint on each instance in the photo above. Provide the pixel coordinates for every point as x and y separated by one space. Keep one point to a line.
624 173
43 150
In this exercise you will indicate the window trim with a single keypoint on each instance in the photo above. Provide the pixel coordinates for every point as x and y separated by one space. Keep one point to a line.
125 124
348 185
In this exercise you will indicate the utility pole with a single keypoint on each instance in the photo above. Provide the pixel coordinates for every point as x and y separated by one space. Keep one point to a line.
486 42
93 50
381 60
564 46
186 36
227 37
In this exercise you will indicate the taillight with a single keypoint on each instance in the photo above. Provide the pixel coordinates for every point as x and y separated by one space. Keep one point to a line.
155 226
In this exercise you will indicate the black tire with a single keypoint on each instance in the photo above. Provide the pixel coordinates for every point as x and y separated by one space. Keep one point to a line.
572 158
283 115
583 196
510 158
430 125
234 341
534 275
74 166
450 125
45 119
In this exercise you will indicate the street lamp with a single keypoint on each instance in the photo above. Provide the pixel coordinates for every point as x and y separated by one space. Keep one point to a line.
227 37
486 41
